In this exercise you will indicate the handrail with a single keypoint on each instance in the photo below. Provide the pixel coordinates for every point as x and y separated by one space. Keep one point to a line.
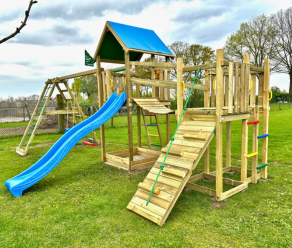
111 83
214 83
172 138
271 95
250 85
184 86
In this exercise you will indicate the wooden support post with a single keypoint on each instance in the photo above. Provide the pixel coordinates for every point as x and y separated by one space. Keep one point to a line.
179 93
153 76
219 110
207 105
103 88
244 150
255 134
228 143
138 110
120 85
266 86
108 83
129 107
101 100
161 89
61 117
114 85
212 91
167 97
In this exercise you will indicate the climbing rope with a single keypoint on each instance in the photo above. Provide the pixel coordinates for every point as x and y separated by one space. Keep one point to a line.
172 138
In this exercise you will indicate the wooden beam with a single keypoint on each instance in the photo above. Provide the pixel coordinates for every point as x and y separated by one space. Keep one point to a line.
100 83
225 180
225 118
230 89
219 107
207 105
79 74
129 107
179 76
266 86
201 189
234 190
244 150
154 64
166 84
188 68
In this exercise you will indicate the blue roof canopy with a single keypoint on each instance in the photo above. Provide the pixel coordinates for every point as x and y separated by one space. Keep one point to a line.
117 38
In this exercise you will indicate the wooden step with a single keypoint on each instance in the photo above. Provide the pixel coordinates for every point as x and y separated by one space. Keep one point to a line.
149 188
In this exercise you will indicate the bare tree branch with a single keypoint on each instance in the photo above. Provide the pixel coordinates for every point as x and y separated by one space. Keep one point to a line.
17 31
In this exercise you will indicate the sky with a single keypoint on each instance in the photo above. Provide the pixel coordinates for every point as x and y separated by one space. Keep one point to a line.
52 43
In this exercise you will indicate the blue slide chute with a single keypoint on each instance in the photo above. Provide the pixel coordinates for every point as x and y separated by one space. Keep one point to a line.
59 150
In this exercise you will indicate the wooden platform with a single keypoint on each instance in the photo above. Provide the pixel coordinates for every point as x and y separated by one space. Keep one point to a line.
152 105
143 158
191 141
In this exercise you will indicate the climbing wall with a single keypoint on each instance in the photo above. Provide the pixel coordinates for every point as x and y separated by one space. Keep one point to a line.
190 143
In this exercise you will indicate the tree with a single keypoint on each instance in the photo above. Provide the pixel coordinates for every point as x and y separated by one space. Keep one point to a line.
194 54
282 21
17 31
276 91
86 85
255 37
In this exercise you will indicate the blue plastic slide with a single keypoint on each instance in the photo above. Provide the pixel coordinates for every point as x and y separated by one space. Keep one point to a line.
59 150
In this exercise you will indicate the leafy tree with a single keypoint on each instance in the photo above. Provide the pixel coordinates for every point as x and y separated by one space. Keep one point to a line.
282 22
255 37
276 91
87 85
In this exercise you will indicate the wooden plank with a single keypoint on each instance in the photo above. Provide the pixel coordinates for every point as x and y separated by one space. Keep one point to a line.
147 151
201 189
225 180
198 123
246 58
195 137
219 106
178 158
230 89
260 89
188 68
155 199
185 148
225 118
234 190
192 156
241 94
155 171
196 128
236 88
79 74
144 212
166 188
201 175
149 188
151 207
266 86
141 161
175 163
179 88
154 64
143 165
207 91
189 143
174 172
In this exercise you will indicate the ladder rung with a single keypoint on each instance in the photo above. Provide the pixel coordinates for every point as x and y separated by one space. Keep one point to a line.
155 145
151 125
148 188
155 135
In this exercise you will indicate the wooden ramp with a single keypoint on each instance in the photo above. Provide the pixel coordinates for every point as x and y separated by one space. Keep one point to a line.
190 143
152 105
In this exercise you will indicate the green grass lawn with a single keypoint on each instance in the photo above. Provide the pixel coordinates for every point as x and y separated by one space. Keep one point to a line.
82 203
13 124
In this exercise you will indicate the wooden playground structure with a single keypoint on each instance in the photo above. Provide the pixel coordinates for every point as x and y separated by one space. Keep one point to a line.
229 95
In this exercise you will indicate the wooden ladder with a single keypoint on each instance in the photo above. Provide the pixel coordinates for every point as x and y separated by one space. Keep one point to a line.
39 111
152 125
36 118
